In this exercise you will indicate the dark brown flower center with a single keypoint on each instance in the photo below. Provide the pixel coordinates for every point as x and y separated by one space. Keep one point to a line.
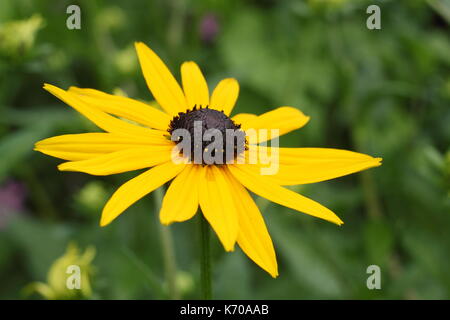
211 133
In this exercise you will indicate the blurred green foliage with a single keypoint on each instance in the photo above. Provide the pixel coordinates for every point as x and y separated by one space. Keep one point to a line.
382 92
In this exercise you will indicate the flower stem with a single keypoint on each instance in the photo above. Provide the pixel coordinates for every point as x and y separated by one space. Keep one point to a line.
170 268
205 265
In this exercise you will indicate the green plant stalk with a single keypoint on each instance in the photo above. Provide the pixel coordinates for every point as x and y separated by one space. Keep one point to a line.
205 259
170 266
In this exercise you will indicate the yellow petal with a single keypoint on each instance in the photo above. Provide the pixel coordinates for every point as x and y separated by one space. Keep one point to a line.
124 107
84 146
266 188
243 118
121 161
138 187
101 119
194 85
253 237
181 200
217 204
285 119
310 165
160 81
225 95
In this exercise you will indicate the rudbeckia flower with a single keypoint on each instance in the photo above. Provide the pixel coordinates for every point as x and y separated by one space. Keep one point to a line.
137 136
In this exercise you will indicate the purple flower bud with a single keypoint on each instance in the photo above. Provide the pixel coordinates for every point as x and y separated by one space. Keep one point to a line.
12 197
209 28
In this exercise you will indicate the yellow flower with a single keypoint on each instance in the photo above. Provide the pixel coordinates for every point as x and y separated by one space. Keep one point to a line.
220 190
59 273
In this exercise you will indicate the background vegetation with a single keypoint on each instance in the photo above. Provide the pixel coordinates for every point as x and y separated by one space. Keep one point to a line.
382 92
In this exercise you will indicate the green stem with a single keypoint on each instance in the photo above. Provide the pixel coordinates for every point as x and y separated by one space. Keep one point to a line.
170 267
205 265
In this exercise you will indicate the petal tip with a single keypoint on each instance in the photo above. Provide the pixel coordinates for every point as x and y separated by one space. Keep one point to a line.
165 221
104 223
51 88
105 219
232 81
139 45
189 62
335 219
47 86
229 247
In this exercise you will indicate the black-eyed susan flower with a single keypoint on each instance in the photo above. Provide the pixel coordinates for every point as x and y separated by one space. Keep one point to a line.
137 136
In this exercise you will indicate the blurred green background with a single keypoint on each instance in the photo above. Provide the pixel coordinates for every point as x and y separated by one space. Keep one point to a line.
382 92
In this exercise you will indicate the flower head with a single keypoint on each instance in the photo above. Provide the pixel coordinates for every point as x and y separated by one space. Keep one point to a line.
59 273
220 188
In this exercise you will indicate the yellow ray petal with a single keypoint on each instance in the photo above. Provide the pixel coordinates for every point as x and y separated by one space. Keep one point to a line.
121 161
84 146
253 237
217 204
292 156
243 118
266 188
285 119
68 155
101 119
160 81
138 187
194 85
225 95
180 202
124 107
310 165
